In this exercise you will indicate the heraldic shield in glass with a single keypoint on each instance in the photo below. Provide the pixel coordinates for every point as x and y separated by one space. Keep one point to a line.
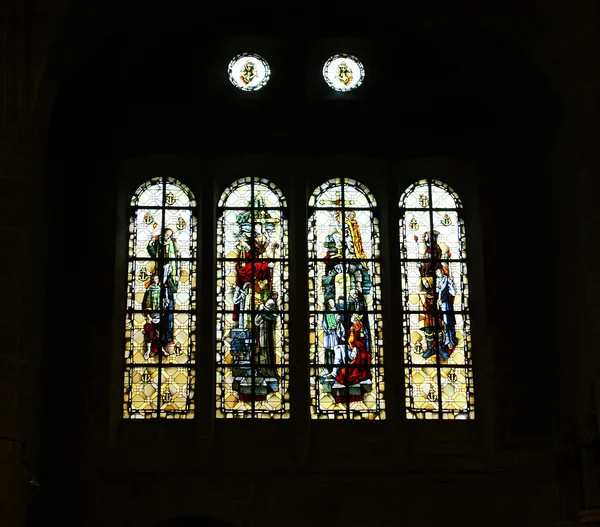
161 302
252 302
346 346
435 301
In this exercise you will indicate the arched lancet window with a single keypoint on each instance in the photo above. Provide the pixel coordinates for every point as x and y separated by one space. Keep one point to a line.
252 302
435 301
346 347
161 302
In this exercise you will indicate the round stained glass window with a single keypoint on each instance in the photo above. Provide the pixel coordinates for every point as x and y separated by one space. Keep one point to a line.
343 72
249 72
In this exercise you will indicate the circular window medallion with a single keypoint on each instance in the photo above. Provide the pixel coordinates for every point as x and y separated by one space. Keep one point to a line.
249 72
343 72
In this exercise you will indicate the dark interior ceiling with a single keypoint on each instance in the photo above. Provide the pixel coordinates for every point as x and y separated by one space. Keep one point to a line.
163 88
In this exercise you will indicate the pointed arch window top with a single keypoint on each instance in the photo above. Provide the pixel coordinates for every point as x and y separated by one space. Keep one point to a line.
344 192
246 191
430 194
161 192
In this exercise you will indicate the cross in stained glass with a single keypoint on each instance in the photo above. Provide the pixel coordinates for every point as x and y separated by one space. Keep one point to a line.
251 316
337 201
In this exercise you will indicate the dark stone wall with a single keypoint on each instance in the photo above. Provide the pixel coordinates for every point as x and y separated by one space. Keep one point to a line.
499 102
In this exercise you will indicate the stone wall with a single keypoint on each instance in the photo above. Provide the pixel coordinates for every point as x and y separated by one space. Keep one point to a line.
61 430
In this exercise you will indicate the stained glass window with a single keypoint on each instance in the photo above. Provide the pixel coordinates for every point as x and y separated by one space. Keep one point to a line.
252 302
249 71
346 346
161 302
343 72
435 301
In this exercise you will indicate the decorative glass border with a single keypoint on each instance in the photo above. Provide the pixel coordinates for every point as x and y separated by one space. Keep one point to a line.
252 374
345 322
435 302
343 72
160 325
249 71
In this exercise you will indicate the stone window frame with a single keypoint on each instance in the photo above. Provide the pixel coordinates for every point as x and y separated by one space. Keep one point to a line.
297 177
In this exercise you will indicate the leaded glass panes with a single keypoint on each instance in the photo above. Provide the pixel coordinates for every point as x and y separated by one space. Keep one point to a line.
346 339
435 301
249 72
161 302
343 72
252 302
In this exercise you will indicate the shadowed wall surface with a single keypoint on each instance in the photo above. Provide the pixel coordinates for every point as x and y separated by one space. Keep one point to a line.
499 101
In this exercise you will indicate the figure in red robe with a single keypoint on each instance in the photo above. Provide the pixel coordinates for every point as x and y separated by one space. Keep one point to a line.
357 369
249 268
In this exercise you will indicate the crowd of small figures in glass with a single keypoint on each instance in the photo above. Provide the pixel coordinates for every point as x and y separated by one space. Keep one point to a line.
345 309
